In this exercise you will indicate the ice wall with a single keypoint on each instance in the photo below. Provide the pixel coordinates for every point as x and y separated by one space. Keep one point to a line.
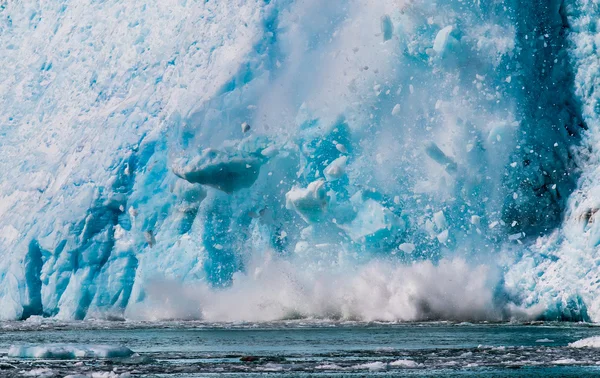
560 270
193 141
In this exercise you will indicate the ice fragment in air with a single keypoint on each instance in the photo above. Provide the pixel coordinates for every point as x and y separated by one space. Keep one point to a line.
407 247
386 27
443 236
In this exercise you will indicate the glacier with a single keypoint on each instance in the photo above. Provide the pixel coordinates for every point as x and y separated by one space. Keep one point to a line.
393 160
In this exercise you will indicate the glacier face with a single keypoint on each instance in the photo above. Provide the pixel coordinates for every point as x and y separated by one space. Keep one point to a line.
256 160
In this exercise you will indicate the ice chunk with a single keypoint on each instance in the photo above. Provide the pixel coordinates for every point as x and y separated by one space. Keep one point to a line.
68 351
373 224
269 151
396 110
441 40
407 247
220 170
387 28
341 148
435 153
443 236
440 220
337 169
310 202
515 237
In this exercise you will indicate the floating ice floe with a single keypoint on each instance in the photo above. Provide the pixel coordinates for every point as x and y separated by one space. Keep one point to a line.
68 351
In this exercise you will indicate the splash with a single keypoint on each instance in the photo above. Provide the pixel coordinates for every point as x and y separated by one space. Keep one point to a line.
378 291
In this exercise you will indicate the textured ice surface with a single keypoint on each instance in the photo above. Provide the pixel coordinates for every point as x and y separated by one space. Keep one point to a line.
68 351
408 132
560 270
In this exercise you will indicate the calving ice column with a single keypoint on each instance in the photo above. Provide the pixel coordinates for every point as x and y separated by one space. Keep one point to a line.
559 273
404 131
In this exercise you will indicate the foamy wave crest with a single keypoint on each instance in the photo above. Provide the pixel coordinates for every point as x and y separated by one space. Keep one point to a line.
377 291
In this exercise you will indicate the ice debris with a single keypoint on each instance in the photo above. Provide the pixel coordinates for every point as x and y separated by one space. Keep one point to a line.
310 202
337 169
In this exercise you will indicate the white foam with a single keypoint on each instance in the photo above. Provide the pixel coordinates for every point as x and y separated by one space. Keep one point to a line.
328 367
41 372
565 361
373 366
272 367
590 342
405 363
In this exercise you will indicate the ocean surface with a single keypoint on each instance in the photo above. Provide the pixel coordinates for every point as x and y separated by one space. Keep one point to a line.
305 348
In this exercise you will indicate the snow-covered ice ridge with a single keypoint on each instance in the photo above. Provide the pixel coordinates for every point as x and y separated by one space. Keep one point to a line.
345 158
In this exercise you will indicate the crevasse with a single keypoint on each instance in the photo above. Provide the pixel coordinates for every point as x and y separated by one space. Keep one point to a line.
257 160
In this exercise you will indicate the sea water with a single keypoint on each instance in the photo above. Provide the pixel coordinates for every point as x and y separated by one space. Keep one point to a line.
303 348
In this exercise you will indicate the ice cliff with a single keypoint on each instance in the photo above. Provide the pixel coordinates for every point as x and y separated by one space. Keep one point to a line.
256 160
